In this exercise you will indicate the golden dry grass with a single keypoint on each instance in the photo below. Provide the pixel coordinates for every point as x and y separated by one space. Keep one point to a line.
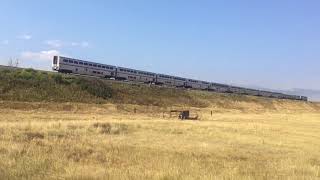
110 142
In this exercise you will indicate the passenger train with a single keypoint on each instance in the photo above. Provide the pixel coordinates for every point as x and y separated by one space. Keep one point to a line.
82 67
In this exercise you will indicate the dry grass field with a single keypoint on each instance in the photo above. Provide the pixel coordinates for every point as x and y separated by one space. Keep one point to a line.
90 141
55 126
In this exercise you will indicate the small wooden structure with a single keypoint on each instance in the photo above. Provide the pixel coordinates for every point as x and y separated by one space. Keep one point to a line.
183 114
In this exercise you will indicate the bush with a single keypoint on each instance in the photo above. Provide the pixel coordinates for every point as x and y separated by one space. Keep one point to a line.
105 128
95 87
57 78
25 74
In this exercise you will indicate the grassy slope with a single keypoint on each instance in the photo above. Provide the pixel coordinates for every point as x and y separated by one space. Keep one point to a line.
35 86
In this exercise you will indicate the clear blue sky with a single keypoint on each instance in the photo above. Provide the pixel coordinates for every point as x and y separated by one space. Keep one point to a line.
273 44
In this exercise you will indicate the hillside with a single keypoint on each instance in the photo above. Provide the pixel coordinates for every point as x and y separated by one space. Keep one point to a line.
37 86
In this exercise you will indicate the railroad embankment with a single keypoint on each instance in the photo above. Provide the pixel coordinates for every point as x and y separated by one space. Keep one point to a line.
22 86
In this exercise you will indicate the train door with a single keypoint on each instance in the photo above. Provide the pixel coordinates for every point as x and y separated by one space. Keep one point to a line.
116 73
55 63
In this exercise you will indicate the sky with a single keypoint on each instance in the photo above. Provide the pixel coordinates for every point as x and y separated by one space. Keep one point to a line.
271 44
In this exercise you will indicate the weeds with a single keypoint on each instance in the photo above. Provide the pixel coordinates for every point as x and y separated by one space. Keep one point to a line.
107 128
33 135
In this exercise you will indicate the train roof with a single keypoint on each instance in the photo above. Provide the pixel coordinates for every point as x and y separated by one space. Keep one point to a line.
86 61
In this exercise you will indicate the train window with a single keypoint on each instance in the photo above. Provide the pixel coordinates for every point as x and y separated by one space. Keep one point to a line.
76 62
81 63
70 61
103 67
99 66
85 64
111 68
90 64
65 60
94 65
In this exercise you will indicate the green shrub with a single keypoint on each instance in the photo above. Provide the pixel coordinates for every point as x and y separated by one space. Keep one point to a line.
95 87
25 74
